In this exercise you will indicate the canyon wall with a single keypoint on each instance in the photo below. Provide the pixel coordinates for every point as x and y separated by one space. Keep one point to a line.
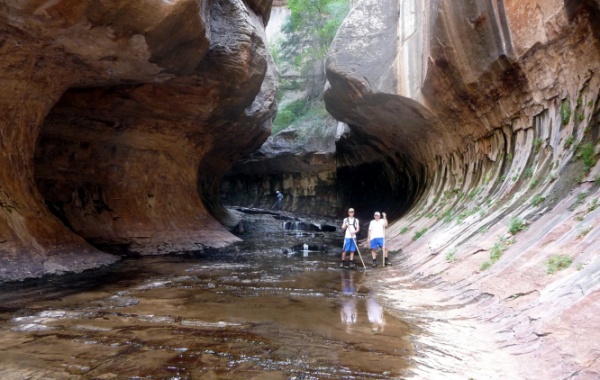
117 123
483 115
298 162
300 158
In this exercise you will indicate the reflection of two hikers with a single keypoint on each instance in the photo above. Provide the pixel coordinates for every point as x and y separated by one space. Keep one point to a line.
348 312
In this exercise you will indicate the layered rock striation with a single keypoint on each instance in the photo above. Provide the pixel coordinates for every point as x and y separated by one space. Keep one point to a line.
115 117
299 162
483 118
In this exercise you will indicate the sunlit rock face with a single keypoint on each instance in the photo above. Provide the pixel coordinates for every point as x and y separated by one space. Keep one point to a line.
114 115
485 111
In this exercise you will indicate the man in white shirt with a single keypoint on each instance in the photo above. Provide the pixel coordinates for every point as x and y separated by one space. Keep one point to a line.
377 237
351 226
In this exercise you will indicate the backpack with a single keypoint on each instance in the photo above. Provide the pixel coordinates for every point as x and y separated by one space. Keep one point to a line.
353 223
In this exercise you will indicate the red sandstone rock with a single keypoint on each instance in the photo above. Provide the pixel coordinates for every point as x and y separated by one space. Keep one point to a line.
137 94
482 107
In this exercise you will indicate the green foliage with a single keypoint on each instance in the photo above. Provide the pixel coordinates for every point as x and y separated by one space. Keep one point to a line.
447 216
483 230
403 230
516 225
570 140
593 205
465 214
309 30
584 232
565 112
580 198
537 200
588 155
496 253
288 114
420 233
558 262
580 117
289 85
528 172
534 183
451 255
448 194
474 193
537 144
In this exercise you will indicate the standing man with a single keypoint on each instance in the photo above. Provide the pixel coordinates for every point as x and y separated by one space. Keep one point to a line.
279 199
351 226
377 237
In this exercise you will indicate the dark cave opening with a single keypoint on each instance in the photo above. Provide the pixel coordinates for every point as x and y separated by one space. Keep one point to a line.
368 187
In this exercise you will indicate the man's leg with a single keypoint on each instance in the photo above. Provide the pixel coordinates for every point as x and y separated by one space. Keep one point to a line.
352 265
344 249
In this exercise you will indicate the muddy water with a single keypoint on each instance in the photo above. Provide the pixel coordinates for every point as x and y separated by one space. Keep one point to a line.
259 314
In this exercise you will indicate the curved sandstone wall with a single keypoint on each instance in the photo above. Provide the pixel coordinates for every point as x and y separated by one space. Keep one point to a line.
486 112
114 115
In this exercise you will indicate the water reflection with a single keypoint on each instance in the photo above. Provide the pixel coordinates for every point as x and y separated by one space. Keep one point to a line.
348 310
258 315
375 314
349 298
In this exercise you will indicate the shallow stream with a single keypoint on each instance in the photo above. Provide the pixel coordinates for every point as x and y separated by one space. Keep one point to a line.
249 311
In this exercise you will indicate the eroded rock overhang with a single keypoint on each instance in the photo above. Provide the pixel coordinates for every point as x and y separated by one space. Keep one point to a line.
447 88
491 109
115 117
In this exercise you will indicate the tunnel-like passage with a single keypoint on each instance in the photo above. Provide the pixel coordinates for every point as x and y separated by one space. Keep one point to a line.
369 179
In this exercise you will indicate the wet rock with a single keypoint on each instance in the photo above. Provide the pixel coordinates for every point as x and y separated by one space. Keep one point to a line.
257 211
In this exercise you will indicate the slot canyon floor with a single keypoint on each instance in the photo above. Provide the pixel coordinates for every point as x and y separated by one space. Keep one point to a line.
248 311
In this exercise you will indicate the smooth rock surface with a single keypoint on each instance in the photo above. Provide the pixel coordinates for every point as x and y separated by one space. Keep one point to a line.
484 110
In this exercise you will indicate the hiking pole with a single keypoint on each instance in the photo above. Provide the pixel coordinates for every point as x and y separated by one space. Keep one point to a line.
359 255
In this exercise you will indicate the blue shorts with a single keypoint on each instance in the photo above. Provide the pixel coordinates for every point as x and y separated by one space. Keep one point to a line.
349 245
377 242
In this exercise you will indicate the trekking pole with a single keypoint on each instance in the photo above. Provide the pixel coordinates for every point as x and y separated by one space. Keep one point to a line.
359 255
